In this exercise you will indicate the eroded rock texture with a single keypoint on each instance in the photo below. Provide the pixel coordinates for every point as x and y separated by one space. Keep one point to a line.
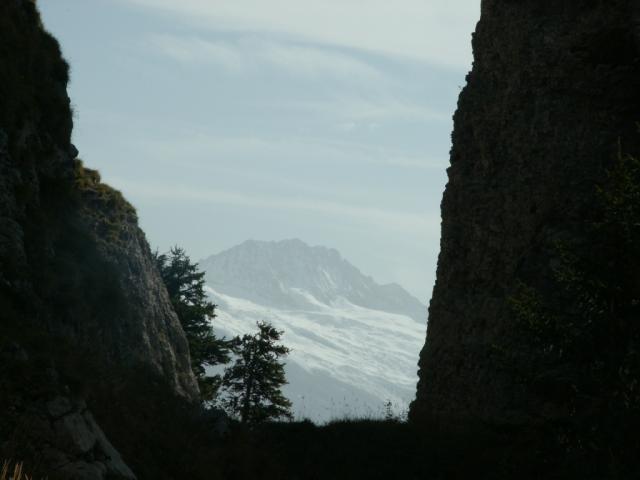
79 292
55 429
553 95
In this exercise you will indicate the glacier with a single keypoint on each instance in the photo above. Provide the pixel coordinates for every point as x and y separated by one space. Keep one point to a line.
354 344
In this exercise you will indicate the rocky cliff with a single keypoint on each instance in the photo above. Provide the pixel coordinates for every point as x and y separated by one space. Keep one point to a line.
553 96
79 291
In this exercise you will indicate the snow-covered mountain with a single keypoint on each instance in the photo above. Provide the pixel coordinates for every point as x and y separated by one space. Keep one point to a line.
354 343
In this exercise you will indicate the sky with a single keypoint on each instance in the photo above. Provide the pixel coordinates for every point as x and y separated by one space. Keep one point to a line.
324 120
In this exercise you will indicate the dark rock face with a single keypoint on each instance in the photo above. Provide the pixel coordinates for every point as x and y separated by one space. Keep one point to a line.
553 95
135 319
57 218
76 273
55 427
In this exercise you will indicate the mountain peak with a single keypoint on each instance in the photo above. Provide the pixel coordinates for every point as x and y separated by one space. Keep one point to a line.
353 341
274 273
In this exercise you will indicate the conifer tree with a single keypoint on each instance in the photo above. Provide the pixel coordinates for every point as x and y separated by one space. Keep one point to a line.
252 385
185 285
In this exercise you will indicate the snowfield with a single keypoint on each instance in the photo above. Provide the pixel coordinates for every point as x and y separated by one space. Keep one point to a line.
346 360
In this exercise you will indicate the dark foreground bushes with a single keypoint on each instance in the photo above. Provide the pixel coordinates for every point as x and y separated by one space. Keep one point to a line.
198 445
162 438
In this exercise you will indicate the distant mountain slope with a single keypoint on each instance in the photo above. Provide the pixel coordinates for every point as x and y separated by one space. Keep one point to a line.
269 272
354 346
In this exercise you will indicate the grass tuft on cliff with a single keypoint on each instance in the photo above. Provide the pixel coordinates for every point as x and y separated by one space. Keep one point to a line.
110 213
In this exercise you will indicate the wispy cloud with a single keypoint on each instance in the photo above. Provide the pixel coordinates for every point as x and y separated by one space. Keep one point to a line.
251 55
253 150
411 223
196 50
422 163
437 31
313 61
386 108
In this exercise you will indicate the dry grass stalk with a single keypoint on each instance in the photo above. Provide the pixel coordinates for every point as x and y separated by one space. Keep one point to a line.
18 473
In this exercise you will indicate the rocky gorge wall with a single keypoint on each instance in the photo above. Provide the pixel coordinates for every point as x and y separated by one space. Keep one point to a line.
554 94
80 297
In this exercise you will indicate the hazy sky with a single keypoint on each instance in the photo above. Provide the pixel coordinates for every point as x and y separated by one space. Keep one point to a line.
224 120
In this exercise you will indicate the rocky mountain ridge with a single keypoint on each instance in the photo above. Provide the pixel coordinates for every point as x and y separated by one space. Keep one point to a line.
269 272
353 342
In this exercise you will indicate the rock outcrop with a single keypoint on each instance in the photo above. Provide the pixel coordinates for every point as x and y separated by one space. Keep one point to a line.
554 94
77 280
56 429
